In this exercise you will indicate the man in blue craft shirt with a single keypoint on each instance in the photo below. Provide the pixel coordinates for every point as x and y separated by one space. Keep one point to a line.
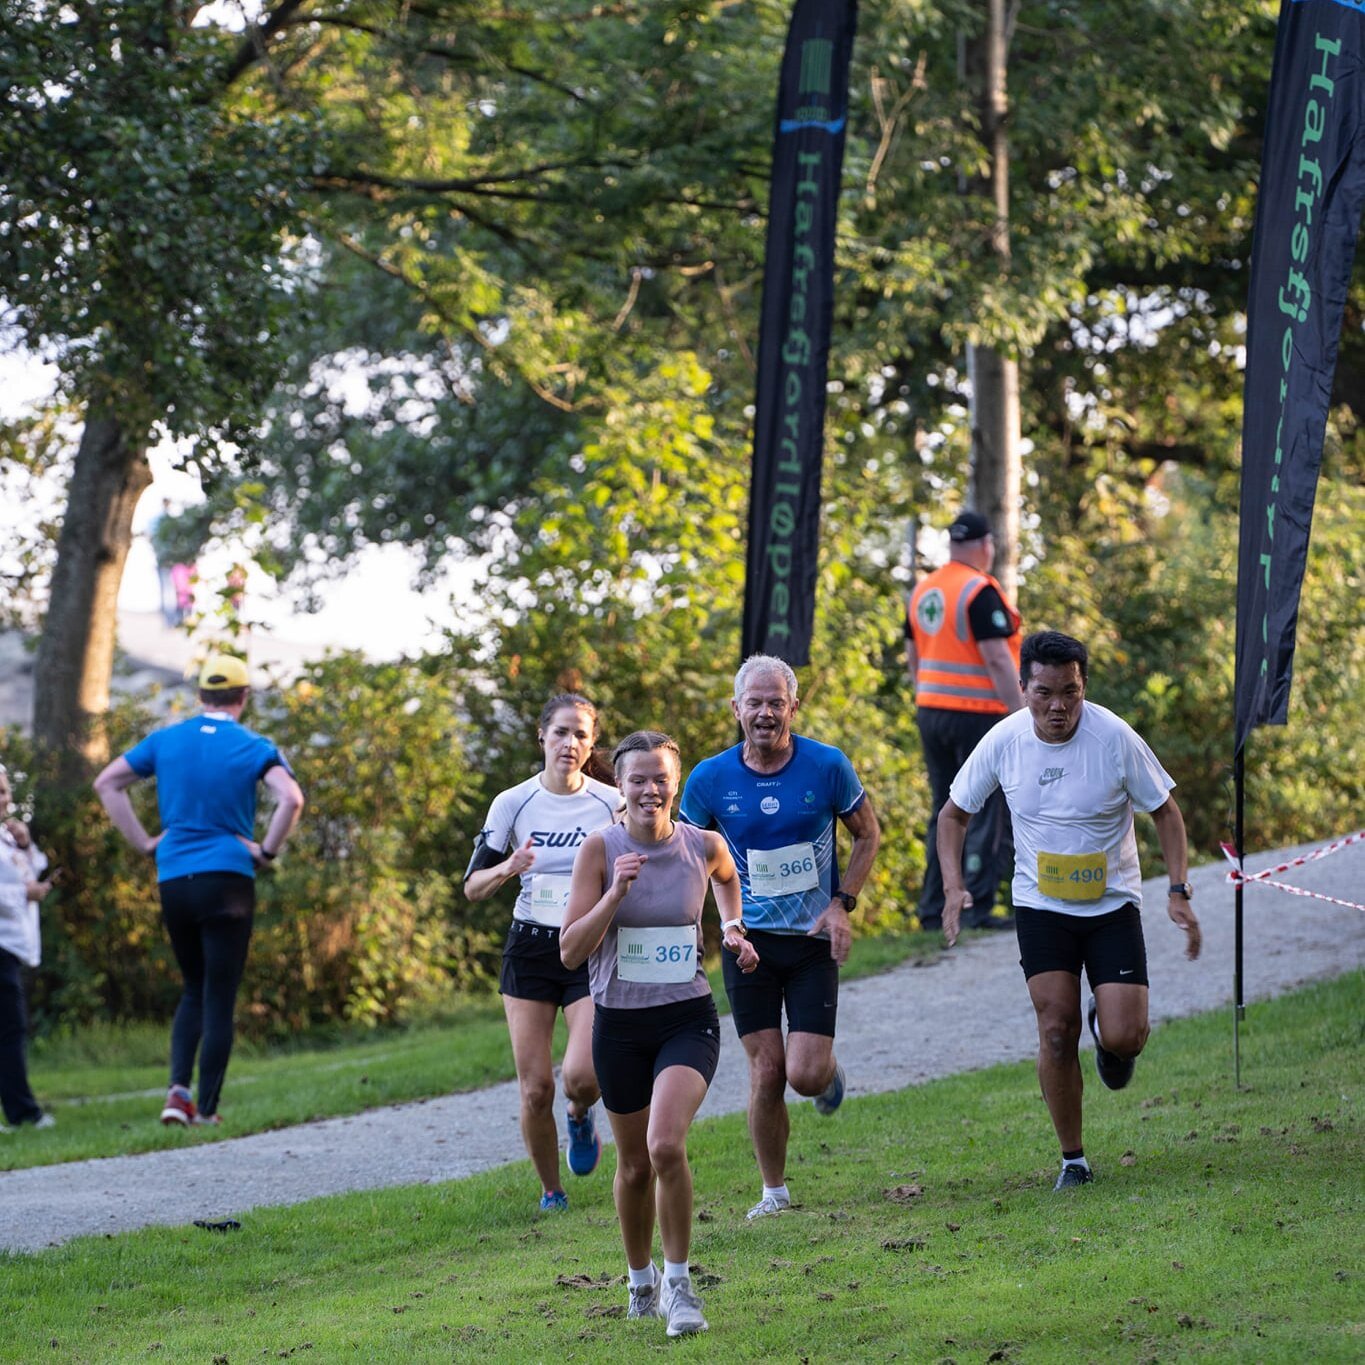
207 770
778 798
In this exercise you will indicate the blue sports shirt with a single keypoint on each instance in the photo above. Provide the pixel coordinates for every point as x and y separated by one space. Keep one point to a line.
780 828
206 771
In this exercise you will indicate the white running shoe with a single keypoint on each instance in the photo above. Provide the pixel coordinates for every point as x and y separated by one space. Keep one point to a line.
770 1203
682 1307
644 1299
832 1096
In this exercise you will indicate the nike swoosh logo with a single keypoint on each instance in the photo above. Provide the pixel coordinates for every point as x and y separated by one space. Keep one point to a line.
1047 781
1129 972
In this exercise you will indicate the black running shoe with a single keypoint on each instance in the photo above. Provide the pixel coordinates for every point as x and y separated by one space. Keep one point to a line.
1072 1177
1114 1071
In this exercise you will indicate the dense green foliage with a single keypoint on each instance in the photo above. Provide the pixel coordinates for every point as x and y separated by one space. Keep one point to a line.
926 1230
499 271
358 922
141 213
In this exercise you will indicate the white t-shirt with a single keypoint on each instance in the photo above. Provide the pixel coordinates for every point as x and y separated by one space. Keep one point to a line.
556 826
1072 806
18 914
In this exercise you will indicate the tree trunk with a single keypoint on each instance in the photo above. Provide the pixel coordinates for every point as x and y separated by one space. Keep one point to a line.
996 462
994 375
75 658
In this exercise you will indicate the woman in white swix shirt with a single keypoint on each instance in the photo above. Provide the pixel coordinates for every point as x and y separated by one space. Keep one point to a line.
533 831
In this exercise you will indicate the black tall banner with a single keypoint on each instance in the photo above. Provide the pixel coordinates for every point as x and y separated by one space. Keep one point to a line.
1307 218
793 349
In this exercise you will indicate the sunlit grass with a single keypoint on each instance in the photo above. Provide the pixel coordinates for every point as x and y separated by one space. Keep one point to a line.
1224 1225
105 1084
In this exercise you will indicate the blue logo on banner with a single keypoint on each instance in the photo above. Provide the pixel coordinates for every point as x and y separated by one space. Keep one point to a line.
814 85
833 125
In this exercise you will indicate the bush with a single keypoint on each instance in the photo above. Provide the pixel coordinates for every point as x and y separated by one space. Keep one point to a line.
361 919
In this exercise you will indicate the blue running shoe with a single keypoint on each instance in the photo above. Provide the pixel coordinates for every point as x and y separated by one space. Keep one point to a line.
832 1096
554 1202
585 1147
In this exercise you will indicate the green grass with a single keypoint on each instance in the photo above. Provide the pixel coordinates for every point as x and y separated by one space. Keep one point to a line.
105 1085
1224 1225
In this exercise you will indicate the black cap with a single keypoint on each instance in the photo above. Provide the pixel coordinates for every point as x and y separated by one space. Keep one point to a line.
968 526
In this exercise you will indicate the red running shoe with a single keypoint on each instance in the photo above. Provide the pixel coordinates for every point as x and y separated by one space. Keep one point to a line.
179 1107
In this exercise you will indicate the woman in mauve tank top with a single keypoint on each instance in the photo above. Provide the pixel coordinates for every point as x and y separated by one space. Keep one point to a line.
634 916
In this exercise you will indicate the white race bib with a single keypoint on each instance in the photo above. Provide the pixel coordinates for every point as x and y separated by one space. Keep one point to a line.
782 871
549 897
657 954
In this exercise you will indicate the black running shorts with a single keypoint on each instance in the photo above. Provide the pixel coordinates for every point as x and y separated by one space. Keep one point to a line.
630 1048
1110 947
793 970
531 969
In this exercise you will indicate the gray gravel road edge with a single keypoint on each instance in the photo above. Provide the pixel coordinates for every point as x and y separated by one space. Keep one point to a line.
913 1024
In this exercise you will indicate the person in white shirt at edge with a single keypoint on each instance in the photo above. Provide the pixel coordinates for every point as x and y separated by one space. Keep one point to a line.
22 888
779 799
1073 773
533 831
634 916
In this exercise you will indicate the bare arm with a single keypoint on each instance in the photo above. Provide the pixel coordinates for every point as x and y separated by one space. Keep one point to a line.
863 825
995 654
478 886
720 867
111 786
952 835
1170 833
592 904
867 837
288 807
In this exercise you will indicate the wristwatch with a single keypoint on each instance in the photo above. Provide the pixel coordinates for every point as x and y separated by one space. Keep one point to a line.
1181 889
850 903
737 925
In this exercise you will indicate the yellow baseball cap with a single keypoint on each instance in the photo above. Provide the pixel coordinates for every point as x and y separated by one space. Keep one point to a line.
223 671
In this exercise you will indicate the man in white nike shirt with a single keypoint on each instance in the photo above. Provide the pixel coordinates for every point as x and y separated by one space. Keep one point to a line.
1072 774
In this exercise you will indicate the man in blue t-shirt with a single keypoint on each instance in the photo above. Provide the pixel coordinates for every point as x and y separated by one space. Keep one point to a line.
778 799
206 770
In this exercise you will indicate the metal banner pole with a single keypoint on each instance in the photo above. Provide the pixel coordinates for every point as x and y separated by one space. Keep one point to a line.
1239 1007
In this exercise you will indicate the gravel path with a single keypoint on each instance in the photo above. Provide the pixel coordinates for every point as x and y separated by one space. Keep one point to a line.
913 1024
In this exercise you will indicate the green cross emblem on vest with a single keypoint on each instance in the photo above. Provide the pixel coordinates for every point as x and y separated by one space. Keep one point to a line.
930 611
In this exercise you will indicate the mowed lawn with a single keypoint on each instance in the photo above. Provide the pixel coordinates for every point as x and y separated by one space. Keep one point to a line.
1224 1226
105 1086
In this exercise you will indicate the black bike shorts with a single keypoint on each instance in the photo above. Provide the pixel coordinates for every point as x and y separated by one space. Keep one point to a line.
630 1048
793 970
532 970
1110 947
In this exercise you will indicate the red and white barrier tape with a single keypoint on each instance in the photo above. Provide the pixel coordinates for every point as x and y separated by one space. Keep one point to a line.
1264 877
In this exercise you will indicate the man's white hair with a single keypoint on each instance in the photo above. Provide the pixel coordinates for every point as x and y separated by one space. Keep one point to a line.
764 663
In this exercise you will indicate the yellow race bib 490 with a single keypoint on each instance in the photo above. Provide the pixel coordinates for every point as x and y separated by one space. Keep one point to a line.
1073 876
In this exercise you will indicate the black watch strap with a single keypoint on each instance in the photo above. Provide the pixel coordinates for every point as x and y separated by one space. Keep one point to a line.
850 903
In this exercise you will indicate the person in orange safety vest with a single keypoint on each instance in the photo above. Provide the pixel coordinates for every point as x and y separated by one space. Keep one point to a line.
962 654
